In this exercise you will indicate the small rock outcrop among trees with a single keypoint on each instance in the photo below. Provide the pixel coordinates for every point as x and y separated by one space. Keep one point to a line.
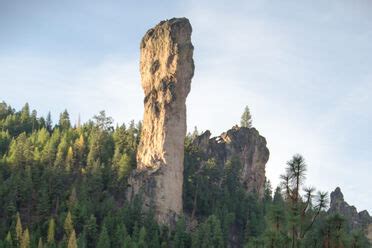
355 220
243 144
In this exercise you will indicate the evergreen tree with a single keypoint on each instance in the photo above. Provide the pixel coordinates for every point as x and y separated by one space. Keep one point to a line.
46 171
8 241
64 120
51 231
128 242
69 159
209 234
246 119
142 238
68 225
292 181
103 122
91 230
124 166
181 238
25 113
104 239
48 122
40 243
119 236
82 242
72 240
18 229
25 241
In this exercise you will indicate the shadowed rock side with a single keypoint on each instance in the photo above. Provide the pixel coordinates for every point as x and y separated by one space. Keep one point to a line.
166 70
355 220
247 145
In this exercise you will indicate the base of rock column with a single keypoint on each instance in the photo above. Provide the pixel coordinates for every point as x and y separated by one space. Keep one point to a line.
147 185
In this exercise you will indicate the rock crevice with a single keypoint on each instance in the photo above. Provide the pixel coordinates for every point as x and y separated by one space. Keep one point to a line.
166 67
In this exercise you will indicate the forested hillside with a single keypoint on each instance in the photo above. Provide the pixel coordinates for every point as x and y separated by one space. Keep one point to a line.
64 184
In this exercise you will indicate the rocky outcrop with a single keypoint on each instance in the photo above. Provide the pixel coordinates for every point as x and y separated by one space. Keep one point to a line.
355 220
166 70
247 145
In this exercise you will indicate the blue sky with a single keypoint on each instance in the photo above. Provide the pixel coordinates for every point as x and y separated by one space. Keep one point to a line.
303 68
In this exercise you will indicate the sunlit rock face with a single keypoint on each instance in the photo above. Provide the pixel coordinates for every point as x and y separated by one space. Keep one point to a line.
245 144
166 67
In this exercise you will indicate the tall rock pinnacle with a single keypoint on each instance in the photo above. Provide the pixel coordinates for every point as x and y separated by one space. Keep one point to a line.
166 68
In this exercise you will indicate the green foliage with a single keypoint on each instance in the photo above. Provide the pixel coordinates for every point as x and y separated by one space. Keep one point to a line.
40 243
64 120
18 230
104 239
63 186
51 231
72 243
208 234
68 224
181 237
246 119
25 241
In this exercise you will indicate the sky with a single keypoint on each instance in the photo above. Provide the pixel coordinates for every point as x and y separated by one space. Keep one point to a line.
303 68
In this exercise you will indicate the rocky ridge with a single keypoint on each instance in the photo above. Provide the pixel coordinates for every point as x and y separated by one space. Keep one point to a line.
245 144
355 220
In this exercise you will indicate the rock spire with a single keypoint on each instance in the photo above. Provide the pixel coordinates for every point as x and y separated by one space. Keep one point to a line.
166 67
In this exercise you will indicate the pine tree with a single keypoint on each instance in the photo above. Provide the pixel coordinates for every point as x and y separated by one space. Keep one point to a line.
124 166
72 200
64 120
79 147
142 238
128 241
51 231
292 182
69 159
181 237
18 229
72 240
8 241
48 122
103 122
246 119
82 241
91 230
68 225
25 113
104 239
209 234
40 244
120 236
25 242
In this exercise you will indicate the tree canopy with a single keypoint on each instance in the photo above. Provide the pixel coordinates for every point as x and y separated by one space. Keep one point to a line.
62 186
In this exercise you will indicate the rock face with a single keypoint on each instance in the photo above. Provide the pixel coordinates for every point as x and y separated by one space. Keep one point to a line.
166 68
247 145
356 220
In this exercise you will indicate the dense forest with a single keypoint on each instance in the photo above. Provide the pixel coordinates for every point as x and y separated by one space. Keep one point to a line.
63 185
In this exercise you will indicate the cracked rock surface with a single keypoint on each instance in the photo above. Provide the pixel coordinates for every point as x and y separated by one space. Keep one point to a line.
166 67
